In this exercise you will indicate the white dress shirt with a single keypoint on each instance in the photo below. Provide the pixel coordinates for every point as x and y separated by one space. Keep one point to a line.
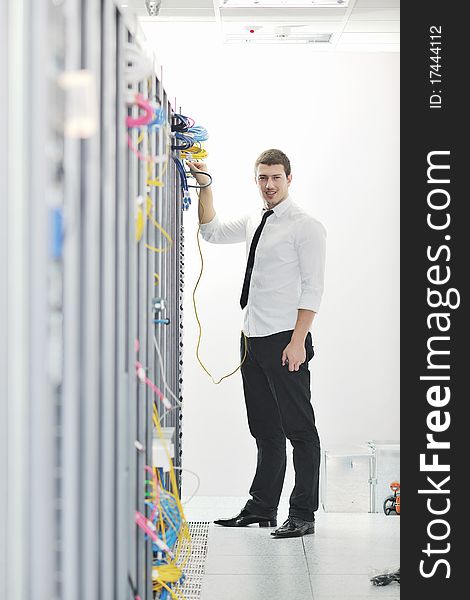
289 266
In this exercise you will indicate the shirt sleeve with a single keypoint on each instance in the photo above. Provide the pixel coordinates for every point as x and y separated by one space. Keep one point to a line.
229 232
311 246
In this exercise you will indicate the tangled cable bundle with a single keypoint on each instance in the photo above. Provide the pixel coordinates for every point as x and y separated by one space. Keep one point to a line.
386 578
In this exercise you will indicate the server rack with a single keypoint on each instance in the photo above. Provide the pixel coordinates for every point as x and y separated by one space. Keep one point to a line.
79 294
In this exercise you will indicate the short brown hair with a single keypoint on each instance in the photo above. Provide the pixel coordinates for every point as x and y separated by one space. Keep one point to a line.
273 157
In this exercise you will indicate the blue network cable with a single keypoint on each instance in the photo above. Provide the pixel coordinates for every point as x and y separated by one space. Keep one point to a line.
199 133
183 182
159 118
187 142
173 521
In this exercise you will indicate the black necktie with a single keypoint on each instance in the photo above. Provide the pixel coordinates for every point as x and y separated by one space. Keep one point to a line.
251 259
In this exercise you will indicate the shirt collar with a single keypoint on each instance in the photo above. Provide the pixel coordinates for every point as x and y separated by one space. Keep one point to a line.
281 208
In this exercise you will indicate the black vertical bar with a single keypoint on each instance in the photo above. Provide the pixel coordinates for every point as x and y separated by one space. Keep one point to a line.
434 281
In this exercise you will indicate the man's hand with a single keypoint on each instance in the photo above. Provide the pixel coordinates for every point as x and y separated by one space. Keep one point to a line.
198 166
294 354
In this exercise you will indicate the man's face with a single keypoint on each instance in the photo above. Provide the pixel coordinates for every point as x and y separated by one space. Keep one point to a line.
273 184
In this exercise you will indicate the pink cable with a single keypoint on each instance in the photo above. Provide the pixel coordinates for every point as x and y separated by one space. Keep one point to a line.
143 119
141 521
140 372
148 158
141 375
137 152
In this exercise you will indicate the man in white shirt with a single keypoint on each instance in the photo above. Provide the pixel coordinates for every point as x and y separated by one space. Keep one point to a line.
281 294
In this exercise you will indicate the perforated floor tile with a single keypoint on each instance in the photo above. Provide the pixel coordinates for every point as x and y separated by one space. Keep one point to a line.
194 568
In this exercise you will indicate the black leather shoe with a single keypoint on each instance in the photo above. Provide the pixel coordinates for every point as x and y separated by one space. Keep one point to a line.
294 527
245 518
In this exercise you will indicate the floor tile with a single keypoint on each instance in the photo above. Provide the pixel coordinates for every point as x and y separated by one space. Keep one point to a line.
340 560
259 563
256 587
353 544
250 541
336 562
329 587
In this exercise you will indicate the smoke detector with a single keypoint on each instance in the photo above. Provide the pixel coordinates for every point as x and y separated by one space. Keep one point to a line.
153 7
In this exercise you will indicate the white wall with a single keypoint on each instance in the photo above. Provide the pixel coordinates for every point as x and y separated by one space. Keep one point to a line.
337 118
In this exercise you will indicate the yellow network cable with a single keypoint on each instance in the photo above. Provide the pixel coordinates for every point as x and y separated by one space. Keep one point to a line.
139 224
174 484
157 226
184 530
170 572
155 181
173 594
199 322
194 152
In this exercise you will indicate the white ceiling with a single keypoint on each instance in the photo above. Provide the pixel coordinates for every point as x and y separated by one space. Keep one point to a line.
356 25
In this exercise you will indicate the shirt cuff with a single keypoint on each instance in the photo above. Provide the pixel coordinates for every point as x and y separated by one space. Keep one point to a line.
310 301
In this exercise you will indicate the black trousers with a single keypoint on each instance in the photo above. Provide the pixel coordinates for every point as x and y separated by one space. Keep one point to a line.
278 407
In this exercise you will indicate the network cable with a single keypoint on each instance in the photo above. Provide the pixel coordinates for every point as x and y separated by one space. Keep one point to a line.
162 519
159 118
133 588
386 578
200 186
143 119
197 316
157 225
195 152
186 198
179 404
197 485
186 142
166 526
181 123
152 117
198 133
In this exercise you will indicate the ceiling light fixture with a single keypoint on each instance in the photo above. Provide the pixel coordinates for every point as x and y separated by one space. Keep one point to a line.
283 3
278 37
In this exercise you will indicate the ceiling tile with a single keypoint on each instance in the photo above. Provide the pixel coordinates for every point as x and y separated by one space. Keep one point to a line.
375 14
371 26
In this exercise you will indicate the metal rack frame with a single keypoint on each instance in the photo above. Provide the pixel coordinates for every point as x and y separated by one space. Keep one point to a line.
74 407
